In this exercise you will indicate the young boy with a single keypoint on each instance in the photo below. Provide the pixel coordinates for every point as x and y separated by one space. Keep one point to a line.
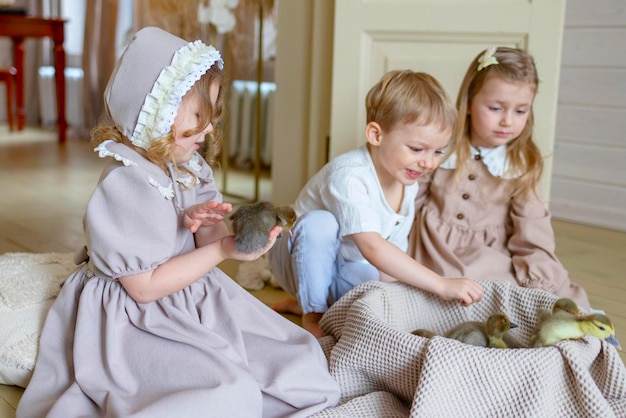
355 214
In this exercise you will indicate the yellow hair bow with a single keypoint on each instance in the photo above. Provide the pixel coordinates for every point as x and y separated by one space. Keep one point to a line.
487 58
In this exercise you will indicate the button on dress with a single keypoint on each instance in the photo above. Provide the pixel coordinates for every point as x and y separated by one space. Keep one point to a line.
471 227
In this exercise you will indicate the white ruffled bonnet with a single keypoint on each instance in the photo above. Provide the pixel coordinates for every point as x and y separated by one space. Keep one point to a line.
150 79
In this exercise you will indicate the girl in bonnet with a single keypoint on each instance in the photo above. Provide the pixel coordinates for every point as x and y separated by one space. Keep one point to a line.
148 326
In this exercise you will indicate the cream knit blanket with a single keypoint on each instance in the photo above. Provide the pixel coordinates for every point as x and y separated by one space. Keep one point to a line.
28 285
385 371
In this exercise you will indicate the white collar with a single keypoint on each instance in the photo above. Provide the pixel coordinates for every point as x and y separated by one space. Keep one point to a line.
494 159
127 156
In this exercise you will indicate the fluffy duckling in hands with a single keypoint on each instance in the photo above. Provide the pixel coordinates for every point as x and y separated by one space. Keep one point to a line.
483 334
252 223
554 328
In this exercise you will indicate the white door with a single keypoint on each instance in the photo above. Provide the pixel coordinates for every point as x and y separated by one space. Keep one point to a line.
439 37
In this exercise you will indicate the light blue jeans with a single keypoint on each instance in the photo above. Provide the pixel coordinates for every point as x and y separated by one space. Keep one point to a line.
307 265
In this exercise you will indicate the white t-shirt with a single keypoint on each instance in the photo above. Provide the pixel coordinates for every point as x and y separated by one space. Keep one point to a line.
348 188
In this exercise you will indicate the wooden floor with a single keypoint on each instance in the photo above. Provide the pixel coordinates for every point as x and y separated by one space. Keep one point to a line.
45 187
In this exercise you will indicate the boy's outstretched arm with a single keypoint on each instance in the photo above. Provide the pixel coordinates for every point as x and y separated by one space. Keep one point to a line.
391 261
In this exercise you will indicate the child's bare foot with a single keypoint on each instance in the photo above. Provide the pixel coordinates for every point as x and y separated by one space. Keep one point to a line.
311 323
290 306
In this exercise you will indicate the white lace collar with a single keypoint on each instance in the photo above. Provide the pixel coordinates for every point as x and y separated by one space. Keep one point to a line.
125 155
104 152
129 157
494 159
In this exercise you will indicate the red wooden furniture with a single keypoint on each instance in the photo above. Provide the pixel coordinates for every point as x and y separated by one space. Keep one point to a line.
19 27
7 76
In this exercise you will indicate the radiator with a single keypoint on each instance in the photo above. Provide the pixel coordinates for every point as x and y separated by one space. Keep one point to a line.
242 122
73 96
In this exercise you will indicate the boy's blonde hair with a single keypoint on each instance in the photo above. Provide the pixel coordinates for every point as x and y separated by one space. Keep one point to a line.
161 150
514 66
403 97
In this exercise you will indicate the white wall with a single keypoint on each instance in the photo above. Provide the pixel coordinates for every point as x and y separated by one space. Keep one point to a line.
589 170
303 79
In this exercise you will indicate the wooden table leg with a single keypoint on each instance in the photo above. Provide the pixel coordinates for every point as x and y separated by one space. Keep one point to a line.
18 28
59 76
18 63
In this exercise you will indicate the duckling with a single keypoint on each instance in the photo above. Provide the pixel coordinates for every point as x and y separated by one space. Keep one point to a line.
562 326
426 333
252 223
566 305
483 334
563 306
511 341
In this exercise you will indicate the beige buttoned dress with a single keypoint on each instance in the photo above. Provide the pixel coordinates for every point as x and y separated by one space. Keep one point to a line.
473 228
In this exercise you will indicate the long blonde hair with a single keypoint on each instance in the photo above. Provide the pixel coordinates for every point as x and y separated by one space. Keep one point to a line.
523 155
161 150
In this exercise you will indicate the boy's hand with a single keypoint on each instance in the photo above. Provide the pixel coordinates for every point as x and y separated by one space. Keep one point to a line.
465 290
205 214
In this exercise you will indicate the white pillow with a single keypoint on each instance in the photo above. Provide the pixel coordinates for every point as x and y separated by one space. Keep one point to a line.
28 285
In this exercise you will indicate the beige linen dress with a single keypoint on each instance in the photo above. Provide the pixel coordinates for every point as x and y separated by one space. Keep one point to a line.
473 228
